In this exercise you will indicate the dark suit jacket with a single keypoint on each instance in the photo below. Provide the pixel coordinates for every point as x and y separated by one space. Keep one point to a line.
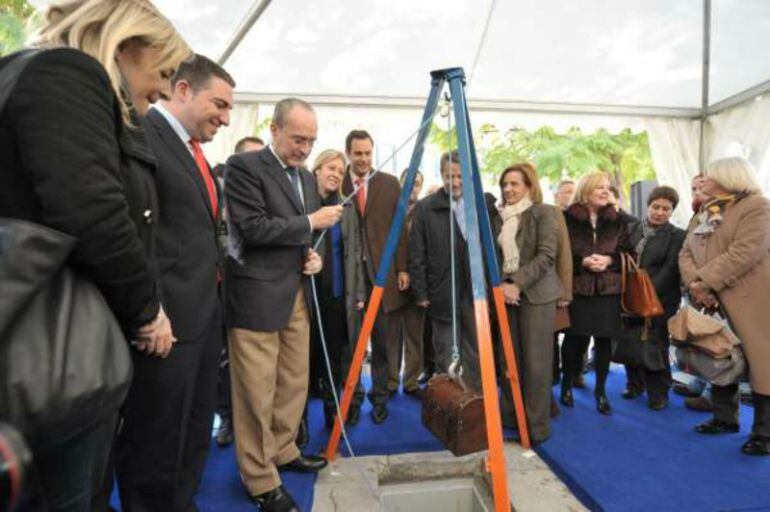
269 237
188 253
430 254
65 165
381 201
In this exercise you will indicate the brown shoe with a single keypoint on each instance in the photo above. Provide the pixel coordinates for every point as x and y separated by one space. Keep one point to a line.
699 403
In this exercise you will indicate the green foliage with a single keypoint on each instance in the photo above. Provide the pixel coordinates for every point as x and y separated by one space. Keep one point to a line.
625 155
13 19
441 138
262 127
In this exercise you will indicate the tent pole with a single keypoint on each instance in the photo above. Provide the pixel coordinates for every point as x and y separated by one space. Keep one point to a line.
249 20
705 83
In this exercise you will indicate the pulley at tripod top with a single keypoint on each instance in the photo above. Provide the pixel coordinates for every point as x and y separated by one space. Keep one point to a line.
446 106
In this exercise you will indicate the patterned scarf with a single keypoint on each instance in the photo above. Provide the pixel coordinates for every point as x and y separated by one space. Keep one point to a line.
712 213
511 216
648 231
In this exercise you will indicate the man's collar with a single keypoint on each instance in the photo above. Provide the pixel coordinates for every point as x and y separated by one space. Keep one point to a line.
173 122
272 150
354 176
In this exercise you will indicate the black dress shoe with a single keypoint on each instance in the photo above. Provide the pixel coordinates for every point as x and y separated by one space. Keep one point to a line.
417 392
603 405
657 404
379 413
715 426
354 414
566 398
225 432
304 464
277 500
757 445
303 437
630 393
682 389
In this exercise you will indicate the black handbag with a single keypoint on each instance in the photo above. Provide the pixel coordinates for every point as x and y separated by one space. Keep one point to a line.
636 345
64 361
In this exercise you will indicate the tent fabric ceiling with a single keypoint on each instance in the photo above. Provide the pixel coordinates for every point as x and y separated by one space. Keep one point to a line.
603 52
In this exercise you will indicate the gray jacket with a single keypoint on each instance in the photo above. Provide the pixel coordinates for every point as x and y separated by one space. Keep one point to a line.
355 284
537 238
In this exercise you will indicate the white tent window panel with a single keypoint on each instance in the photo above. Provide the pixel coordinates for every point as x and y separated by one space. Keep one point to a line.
740 39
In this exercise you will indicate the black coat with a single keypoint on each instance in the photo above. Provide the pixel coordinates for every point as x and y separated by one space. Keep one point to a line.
430 253
269 237
660 257
67 164
188 255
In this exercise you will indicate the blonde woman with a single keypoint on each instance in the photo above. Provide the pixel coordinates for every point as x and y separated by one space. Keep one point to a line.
598 234
72 162
340 285
725 262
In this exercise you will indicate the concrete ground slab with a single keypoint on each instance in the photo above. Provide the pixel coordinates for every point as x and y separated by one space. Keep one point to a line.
356 485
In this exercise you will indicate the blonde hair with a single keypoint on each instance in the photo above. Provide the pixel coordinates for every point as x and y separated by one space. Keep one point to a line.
735 174
327 156
587 184
100 27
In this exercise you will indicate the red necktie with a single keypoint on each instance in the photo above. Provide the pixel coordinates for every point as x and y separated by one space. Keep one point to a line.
361 195
203 167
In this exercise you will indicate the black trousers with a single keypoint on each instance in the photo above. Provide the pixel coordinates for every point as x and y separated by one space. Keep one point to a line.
224 400
378 394
468 347
167 419
573 347
726 400
335 323
428 355
68 477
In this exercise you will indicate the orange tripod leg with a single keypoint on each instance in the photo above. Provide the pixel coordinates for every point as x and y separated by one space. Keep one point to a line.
491 408
355 370
513 369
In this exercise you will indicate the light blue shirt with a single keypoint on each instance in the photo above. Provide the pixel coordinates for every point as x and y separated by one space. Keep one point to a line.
176 126
459 210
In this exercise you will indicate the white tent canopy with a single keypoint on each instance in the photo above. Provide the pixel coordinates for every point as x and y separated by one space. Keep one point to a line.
595 63
612 63
600 53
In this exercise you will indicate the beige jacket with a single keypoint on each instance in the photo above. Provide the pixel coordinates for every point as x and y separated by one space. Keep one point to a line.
734 262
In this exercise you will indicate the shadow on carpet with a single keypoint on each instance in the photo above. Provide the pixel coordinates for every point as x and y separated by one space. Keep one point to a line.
643 460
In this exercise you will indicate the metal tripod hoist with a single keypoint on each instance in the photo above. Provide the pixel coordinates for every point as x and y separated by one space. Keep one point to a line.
481 249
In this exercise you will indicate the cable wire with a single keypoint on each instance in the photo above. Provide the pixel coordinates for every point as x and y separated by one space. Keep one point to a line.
480 46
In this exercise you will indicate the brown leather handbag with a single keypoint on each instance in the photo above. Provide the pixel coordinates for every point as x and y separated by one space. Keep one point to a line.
638 296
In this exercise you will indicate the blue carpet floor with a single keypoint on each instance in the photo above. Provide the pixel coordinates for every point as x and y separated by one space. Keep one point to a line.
641 460
635 460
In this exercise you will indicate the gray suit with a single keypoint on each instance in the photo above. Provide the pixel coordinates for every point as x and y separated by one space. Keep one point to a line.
532 322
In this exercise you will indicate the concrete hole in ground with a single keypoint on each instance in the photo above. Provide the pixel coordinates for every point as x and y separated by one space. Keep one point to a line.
455 495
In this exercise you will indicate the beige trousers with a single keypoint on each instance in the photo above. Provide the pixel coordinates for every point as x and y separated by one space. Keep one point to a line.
269 388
